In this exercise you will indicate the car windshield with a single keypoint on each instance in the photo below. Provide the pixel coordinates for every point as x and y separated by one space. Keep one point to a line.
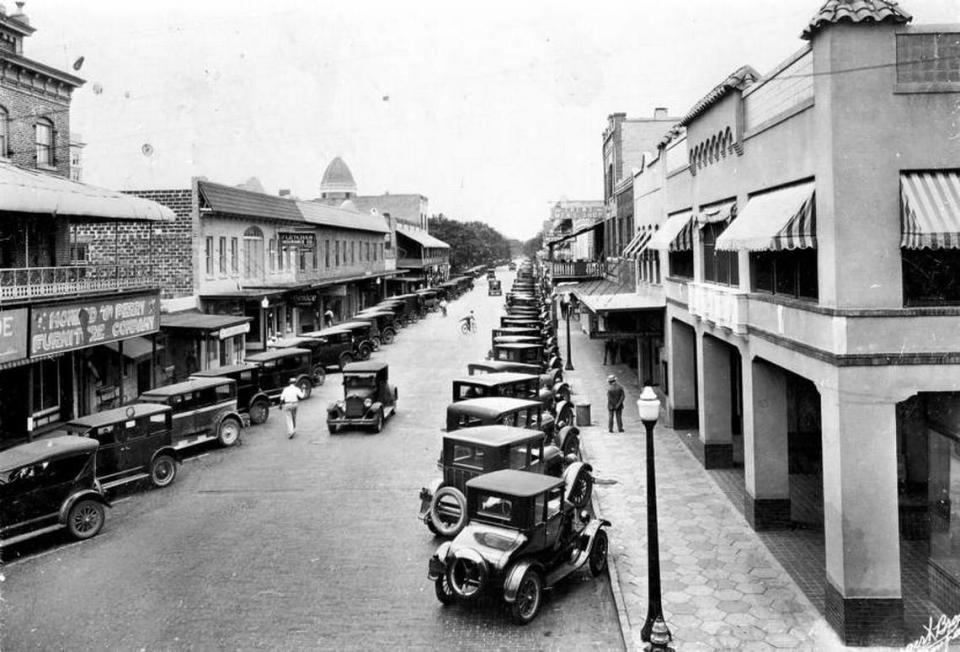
495 507
360 380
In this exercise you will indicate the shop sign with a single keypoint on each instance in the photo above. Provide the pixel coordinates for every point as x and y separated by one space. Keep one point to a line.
69 326
303 299
333 291
230 331
303 241
13 334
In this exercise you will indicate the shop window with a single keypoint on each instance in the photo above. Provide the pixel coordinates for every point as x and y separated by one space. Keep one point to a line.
718 266
681 264
46 387
223 255
208 254
931 276
353 253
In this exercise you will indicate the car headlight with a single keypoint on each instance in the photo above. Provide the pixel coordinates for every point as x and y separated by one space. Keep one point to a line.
367 402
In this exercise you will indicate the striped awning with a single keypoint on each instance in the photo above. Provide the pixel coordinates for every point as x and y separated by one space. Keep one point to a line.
717 213
778 220
636 245
930 210
676 234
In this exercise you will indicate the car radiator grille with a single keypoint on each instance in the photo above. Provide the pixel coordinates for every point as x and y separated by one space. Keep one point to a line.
354 408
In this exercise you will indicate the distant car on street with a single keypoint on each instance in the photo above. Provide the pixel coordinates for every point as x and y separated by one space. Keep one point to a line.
368 397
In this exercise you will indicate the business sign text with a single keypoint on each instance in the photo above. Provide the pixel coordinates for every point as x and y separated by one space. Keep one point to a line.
70 326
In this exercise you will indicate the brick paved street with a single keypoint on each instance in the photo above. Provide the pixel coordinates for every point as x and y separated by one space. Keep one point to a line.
304 544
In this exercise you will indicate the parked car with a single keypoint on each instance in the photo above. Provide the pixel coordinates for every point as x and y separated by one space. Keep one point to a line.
364 333
548 378
518 339
384 321
512 266
522 413
523 322
368 397
493 288
47 485
431 299
405 312
278 366
507 331
523 535
338 346
252 402
470 452
510 384
136 443
204 409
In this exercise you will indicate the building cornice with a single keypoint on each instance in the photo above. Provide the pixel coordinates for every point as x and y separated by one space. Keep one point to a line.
11 60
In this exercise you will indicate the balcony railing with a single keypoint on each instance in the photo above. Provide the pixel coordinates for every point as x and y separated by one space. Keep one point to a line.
43 282
421 262
577 269
724 306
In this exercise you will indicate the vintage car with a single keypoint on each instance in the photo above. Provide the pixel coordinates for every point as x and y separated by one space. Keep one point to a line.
514 330
512 266
524 322
325 347
548 378
366 337
384 320
518 412
518 339
523 535
526 353
493 288
49 484
368 399
512 384
204 409
414 306
467 453
252 402
278 366
431 299
136 443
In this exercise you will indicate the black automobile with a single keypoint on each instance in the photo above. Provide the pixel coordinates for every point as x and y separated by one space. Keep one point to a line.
50 484
204 409
252 401
368 397
136 443
278 366
337 347
364 334
384 321
517 412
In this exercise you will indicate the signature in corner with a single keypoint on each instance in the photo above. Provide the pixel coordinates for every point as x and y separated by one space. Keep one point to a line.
937 634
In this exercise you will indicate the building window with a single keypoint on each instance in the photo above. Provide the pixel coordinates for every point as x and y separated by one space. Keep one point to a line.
368 251
718 266
381 250
208 254
45 143
353 252
374 247
931 58
303 258
234 255
273 254
315 254
4 133
78 253
46 387
931 277
223 255
252 253
326 253
785 273
681 264
337 253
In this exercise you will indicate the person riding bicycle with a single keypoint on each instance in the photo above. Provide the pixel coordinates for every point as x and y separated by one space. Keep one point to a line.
470 321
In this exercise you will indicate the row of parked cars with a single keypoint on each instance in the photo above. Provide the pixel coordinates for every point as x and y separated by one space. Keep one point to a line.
62 480
514 491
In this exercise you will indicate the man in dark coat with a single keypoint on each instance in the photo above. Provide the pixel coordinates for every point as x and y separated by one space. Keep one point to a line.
615 398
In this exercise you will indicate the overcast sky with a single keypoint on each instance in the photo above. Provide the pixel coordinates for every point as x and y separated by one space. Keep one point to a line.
489 109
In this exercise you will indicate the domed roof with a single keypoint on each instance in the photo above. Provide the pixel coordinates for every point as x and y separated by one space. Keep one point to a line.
338 178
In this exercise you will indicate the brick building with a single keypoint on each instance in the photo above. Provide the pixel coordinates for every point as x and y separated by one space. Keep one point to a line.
76 336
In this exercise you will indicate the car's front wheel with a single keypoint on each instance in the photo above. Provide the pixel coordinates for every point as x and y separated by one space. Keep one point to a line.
364 351
529 596
305 386
375 340
228 432
259 411
387 337
319 374
598 554
163 470
448 511
378 424
85 519
444 592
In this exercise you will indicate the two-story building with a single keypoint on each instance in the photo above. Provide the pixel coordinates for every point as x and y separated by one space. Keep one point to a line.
74 335
805 226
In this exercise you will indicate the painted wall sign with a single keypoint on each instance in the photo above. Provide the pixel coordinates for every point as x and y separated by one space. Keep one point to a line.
76 325
298 240
13 334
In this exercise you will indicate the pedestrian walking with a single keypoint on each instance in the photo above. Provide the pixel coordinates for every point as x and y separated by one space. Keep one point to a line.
615 398
609 352
289 397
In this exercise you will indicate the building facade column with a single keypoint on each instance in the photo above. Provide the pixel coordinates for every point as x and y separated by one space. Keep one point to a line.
863 596
766 454
715 406
682 375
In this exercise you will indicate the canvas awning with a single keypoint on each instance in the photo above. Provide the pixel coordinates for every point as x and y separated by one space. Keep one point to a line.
423 238
200 321
573 234
717 213
778 220
930 210
633 249
676 234
29 191
134 348
606 296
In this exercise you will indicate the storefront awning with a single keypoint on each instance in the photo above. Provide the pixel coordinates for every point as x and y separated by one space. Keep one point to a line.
633 249
605 296
423 238
134 348
190 320
717 213
930 210
29 191
774 221
676 234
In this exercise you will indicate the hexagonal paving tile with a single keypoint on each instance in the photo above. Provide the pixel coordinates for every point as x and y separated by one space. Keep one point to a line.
733 606
749 587
728 594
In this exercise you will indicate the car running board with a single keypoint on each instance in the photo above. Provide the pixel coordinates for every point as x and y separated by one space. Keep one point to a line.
124 480
569 567
32 533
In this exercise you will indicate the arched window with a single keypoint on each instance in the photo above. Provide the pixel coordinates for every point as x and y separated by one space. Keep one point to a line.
45 142
253 253
4 133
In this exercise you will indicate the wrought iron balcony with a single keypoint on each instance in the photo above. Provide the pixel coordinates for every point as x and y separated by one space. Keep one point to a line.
73 280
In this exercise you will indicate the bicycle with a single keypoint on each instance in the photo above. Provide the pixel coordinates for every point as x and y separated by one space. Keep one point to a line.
468 325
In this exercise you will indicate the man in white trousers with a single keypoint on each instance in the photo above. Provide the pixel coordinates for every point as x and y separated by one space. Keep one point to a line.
289 397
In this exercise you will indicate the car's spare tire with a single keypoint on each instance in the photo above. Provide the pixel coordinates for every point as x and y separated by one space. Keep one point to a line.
448 511
467 574
578 484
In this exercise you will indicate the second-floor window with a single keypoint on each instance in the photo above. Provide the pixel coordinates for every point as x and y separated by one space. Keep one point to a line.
785 273
4 133
374 250
208 254
718 266
337 252
234 255
368 251
45 145
353 254
252 253
223 255
326 253
681 264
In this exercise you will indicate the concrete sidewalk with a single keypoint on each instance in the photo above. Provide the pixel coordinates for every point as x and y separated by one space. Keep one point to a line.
722 588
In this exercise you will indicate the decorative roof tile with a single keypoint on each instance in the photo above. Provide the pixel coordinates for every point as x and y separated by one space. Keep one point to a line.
739 80
856 11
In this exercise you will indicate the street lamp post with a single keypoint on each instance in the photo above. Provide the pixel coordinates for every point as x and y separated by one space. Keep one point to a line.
569 365
655 628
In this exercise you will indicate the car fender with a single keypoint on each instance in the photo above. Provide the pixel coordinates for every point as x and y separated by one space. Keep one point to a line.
427 493
72 499
226 414
564 434
440 555
259 396
168 450
511 583
374 407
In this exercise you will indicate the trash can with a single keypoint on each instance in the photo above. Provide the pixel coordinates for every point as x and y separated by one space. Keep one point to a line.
583 414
